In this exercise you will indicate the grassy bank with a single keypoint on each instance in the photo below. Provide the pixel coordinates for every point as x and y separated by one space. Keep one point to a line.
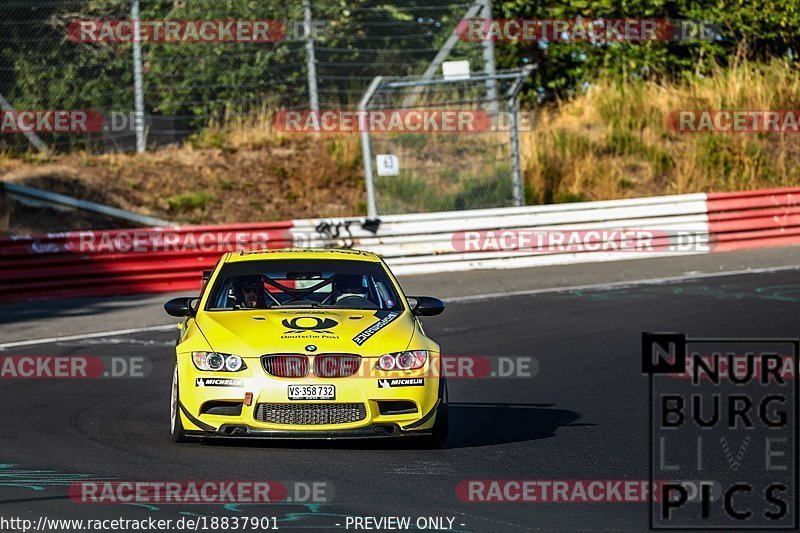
614 141
611 142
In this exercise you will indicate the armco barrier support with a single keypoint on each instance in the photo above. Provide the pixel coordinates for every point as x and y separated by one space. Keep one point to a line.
98 263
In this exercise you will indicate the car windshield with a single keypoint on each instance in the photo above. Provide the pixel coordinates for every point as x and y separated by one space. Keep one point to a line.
302 284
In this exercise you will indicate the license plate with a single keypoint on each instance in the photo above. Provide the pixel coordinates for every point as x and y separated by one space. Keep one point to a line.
312 392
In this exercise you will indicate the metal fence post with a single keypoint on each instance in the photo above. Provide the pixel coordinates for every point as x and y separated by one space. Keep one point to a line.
518 192
138 120
313 91
442 54
34 139
488 62
366 150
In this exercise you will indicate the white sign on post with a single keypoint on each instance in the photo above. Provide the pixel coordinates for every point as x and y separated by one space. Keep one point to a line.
455 70
388 165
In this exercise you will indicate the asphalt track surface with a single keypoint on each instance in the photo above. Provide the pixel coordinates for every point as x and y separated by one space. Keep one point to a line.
584 415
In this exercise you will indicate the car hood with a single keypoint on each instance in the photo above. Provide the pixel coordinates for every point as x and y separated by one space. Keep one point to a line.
258 332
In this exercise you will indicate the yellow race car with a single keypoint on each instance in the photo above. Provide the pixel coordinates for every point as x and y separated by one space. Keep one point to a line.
315 343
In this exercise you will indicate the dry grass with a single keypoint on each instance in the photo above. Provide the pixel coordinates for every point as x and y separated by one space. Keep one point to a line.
613 142
247 172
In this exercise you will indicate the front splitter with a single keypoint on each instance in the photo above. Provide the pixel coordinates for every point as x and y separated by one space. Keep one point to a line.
374 431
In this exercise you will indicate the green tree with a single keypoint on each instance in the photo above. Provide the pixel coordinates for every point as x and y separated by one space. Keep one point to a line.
748 29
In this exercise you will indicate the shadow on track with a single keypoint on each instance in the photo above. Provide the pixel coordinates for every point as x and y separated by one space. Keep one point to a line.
485 424
471 425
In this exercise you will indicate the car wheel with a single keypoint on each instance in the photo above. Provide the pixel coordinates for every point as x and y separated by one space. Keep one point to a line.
441 424
176 426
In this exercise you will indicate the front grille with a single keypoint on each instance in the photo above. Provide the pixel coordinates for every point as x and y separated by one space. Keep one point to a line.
286 366
310 414
336 365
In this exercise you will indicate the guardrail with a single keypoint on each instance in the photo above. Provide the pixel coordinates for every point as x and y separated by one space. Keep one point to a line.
98 263
754 219
38 197
95 263
420 243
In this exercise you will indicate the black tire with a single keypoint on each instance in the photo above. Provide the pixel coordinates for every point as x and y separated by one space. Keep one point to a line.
441 424
176 425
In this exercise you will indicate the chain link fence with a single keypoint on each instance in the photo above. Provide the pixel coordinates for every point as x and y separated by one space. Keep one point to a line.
189 85
437 144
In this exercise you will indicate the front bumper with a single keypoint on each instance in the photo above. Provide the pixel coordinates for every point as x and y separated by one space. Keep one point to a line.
363 389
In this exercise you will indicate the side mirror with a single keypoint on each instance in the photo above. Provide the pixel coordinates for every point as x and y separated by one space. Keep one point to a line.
427 306
180 307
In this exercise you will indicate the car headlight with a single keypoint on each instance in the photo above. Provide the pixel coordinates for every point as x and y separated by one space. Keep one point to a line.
402 360
233 363
217 362
386 362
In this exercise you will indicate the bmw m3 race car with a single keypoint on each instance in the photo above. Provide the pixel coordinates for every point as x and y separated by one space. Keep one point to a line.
313 343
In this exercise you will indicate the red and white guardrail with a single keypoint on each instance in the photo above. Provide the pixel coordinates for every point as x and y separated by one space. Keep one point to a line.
95 263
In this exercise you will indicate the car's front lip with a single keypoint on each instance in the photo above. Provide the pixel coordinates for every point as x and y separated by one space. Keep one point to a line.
371 430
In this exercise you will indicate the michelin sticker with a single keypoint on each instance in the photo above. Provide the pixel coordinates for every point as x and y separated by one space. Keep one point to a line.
401 382
218 382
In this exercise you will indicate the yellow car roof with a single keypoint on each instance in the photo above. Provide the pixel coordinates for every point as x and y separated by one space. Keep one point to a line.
301 253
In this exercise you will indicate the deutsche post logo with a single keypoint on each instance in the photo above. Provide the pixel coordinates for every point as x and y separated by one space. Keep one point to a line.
303 324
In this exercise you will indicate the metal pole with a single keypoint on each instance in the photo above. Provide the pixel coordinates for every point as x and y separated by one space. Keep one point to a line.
34 139
138 84
366 150
441 55
488 61
518 192
313 91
